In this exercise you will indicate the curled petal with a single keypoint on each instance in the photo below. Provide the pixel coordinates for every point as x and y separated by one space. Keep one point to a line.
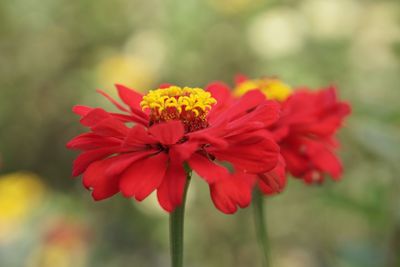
274 181
232 192
95 178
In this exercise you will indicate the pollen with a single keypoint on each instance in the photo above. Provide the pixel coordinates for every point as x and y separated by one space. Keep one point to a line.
190 105
272 88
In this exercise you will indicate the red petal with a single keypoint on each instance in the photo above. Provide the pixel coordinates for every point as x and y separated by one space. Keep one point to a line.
296 164
111 127
125 160
232 192
267 113
170 193
130 118
165 85
240 78
206 169
168 133
136 115
95 178
81 110
324 159
182 152
95 116
247 102
86 158
129 96
222 93
88 141
138 137
144 176
112 100
208 136
256 157
274 181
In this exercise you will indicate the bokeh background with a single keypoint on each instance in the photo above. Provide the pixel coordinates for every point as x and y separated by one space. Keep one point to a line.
55 53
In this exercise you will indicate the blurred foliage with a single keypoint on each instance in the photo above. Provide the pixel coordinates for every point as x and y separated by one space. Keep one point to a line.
56 53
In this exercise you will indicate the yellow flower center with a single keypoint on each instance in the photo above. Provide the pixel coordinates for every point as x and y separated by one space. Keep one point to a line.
273 89
189 105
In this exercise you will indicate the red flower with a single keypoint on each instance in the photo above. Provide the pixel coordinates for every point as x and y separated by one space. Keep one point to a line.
306 133
178 126
306 129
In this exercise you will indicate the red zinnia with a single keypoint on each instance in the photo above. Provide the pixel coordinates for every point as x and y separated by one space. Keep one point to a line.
306 133
307 127
174 126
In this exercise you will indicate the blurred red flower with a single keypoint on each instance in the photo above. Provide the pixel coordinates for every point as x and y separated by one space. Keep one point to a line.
171 127
305 132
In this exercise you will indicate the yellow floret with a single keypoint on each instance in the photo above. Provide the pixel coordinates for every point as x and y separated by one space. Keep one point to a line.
274 89
187 98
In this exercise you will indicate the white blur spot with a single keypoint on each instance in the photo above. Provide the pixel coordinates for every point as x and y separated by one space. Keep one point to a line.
373 45
149 46
277 33
332 19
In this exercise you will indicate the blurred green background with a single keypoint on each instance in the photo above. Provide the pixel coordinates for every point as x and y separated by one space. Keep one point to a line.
55 53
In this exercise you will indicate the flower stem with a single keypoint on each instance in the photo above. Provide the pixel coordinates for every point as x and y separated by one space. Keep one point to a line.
176 223
260 226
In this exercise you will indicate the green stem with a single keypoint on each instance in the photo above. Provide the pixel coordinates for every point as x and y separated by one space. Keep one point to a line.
260 225
176 223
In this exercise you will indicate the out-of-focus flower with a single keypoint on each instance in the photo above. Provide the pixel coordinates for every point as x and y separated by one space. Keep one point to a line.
306 133
332 19
20 194
177 126
306 130
277 33
137 64
64 244
148 46
273 88
126 69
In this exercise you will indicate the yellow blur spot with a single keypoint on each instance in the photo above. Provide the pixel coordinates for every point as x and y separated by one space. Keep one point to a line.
274 89
128 70
20 193
182 99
